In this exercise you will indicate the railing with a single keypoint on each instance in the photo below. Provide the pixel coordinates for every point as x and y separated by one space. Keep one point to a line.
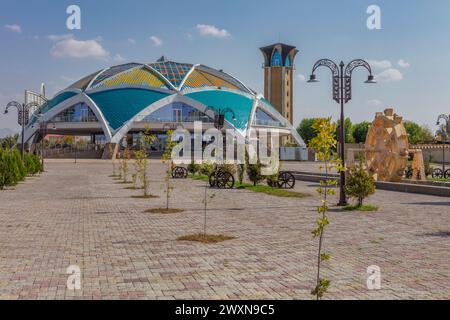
269 123
49 151
91 118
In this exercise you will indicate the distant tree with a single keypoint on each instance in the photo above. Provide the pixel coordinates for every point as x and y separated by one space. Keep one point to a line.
348 131
415 132
9 141
360 131
427 134
305 129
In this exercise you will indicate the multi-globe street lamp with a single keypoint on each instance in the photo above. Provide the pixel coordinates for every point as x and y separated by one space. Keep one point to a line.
445 132
23 117
342 93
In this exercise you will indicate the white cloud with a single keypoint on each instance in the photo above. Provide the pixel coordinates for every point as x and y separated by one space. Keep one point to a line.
380 64
212 31
374 103
301 77
119 58
59 37
73 48
389 75
157 42
403 64
131 41
14 28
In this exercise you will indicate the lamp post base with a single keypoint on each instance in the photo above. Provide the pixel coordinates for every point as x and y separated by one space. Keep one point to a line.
342 203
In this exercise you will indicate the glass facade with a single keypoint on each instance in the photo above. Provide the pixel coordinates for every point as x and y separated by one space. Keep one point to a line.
77 113
177 112
262 118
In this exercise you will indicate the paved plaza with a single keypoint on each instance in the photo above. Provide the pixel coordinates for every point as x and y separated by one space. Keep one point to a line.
75 214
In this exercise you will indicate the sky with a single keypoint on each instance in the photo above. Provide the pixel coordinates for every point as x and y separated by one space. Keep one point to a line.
409 54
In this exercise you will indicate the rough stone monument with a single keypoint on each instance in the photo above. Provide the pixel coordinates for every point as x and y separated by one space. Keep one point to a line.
386 148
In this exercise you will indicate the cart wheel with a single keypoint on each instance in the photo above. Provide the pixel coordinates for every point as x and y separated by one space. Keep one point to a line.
286 180
175 173
178 173
447 174
437 173
185 173
225 180
212 180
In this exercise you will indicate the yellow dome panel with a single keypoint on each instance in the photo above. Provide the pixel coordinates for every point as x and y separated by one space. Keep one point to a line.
136 77
199 79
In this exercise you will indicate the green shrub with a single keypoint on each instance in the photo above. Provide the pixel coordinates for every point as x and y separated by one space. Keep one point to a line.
206 168
3 169
21 169
227 167
254 172
29 164
359 184
38 163
240 172
193 168
10 171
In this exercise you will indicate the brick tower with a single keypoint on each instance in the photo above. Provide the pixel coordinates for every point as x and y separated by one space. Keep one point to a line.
279 76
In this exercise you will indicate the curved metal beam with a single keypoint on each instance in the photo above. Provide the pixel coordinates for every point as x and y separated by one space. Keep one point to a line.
80 98
262 105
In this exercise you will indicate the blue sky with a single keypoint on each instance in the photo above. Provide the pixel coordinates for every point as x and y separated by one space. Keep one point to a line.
410 53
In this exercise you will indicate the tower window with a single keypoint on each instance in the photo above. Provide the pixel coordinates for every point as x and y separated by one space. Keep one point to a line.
276 59
287 63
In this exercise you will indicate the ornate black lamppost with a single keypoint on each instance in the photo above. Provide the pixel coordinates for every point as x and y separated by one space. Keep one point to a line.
43 125
23 118
342 93
445 133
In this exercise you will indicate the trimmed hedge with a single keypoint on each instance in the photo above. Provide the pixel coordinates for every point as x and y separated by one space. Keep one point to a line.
13 169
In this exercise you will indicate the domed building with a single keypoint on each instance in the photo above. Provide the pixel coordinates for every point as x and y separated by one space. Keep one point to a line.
115 104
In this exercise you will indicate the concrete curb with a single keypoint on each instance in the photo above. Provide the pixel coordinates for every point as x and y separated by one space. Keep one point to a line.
435 190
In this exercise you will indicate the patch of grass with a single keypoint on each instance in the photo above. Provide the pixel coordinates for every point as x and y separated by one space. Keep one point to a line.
134 188
123 182
150 196
272 191
439 179
364 207
262 189
164 210
208 238
200 177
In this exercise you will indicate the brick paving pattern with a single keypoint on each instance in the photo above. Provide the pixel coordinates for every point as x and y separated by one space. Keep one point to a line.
75 214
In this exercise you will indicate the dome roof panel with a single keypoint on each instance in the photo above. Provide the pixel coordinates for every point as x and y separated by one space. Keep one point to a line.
198 79
137 77
120 105
219 100
173 71
113 71
83 83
